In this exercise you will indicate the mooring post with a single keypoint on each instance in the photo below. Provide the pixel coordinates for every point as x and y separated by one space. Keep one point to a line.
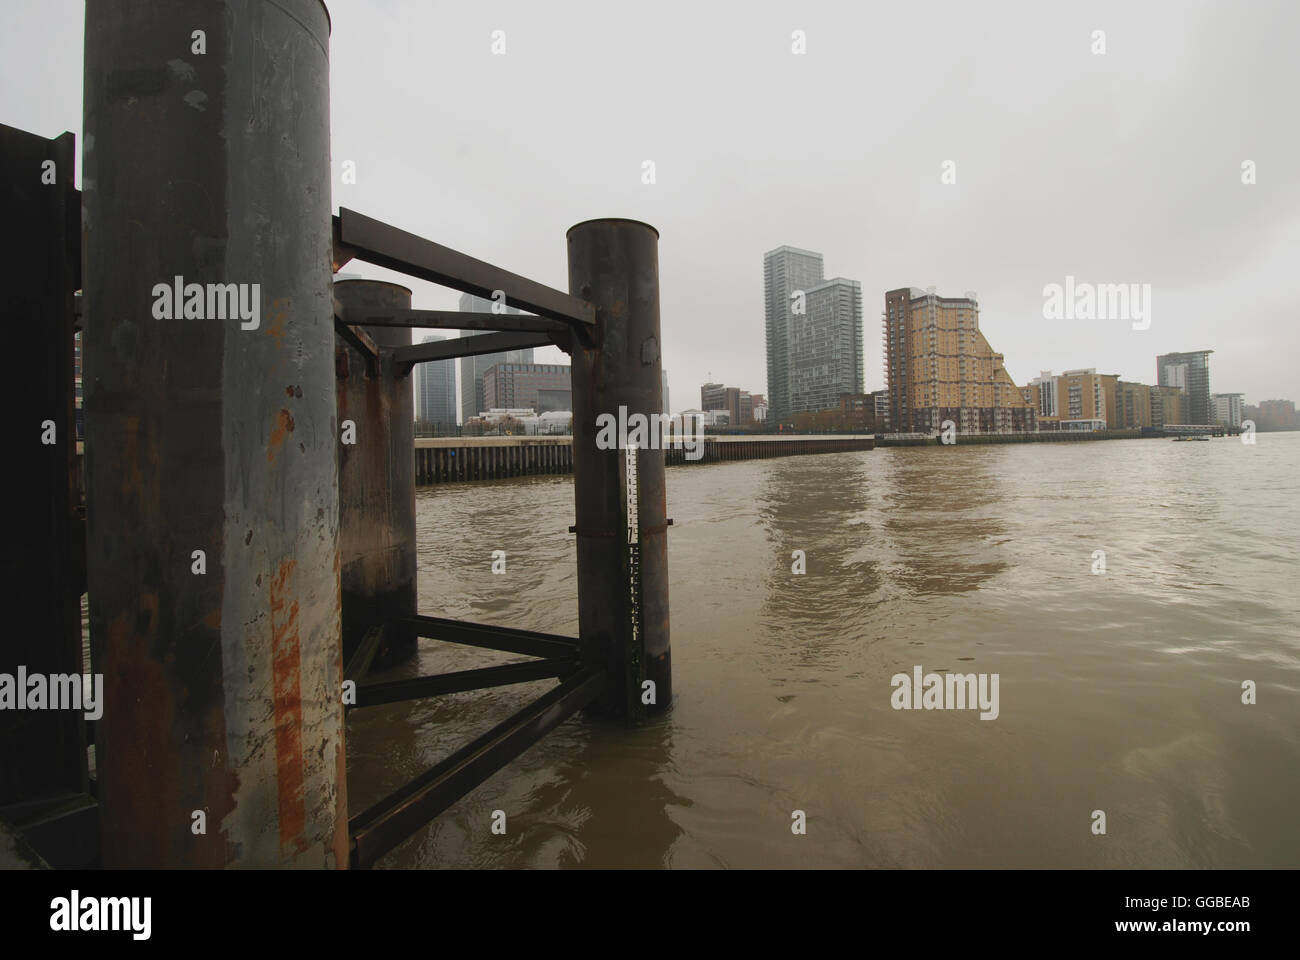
620 506
376 479
211 473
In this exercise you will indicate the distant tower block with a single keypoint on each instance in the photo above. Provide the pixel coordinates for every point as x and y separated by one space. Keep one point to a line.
223 684
376 480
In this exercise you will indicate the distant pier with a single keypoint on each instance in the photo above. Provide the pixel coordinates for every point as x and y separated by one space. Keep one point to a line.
459 459
1059 436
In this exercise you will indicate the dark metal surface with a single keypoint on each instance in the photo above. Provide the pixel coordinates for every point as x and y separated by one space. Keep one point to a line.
67 836
506 639
341 253
361 342
391 820
458 320
223 685
41 566
470 346
377 566
622 594
222 688
372 694
387 246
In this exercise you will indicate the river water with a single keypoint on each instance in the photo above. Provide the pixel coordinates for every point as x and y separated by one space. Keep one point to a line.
1118 692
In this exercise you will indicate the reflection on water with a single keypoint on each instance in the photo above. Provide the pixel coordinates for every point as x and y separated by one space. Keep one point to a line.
1119 692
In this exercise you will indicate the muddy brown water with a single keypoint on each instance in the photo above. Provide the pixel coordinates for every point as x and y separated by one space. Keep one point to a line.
1118 691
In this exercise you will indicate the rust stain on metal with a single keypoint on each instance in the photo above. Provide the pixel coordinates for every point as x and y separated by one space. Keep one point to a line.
279 318
342 840
128 460
285 669
283 426
146 777
141 712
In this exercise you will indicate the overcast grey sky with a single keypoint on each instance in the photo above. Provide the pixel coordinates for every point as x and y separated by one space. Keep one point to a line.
1117 168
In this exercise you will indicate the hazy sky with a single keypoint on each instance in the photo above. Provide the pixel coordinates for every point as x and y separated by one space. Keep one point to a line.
1117 168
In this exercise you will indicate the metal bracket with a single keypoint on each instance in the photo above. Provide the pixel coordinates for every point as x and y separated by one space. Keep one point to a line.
358 340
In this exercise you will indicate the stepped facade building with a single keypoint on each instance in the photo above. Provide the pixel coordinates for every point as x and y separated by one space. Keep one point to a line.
938 367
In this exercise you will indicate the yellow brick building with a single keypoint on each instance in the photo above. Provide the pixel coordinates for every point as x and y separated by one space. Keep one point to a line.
1132 404
1087 395
938 367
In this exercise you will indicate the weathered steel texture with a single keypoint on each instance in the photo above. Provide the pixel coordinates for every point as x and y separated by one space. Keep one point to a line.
340 253
372 694
615 265
67 835
387 246
41 751
459 320
377 481
223 689
357 339
505 639
370 359
390 821
474 346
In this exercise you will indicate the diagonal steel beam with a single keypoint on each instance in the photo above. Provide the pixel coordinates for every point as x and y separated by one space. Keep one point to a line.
507 639
372 694
359 340
390 821
470 346
386 246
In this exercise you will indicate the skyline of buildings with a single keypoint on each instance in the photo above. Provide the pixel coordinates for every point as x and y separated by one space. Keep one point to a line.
472 369
938 364
435 398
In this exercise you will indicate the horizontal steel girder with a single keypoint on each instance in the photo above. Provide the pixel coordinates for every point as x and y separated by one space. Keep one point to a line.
459 320
375 242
